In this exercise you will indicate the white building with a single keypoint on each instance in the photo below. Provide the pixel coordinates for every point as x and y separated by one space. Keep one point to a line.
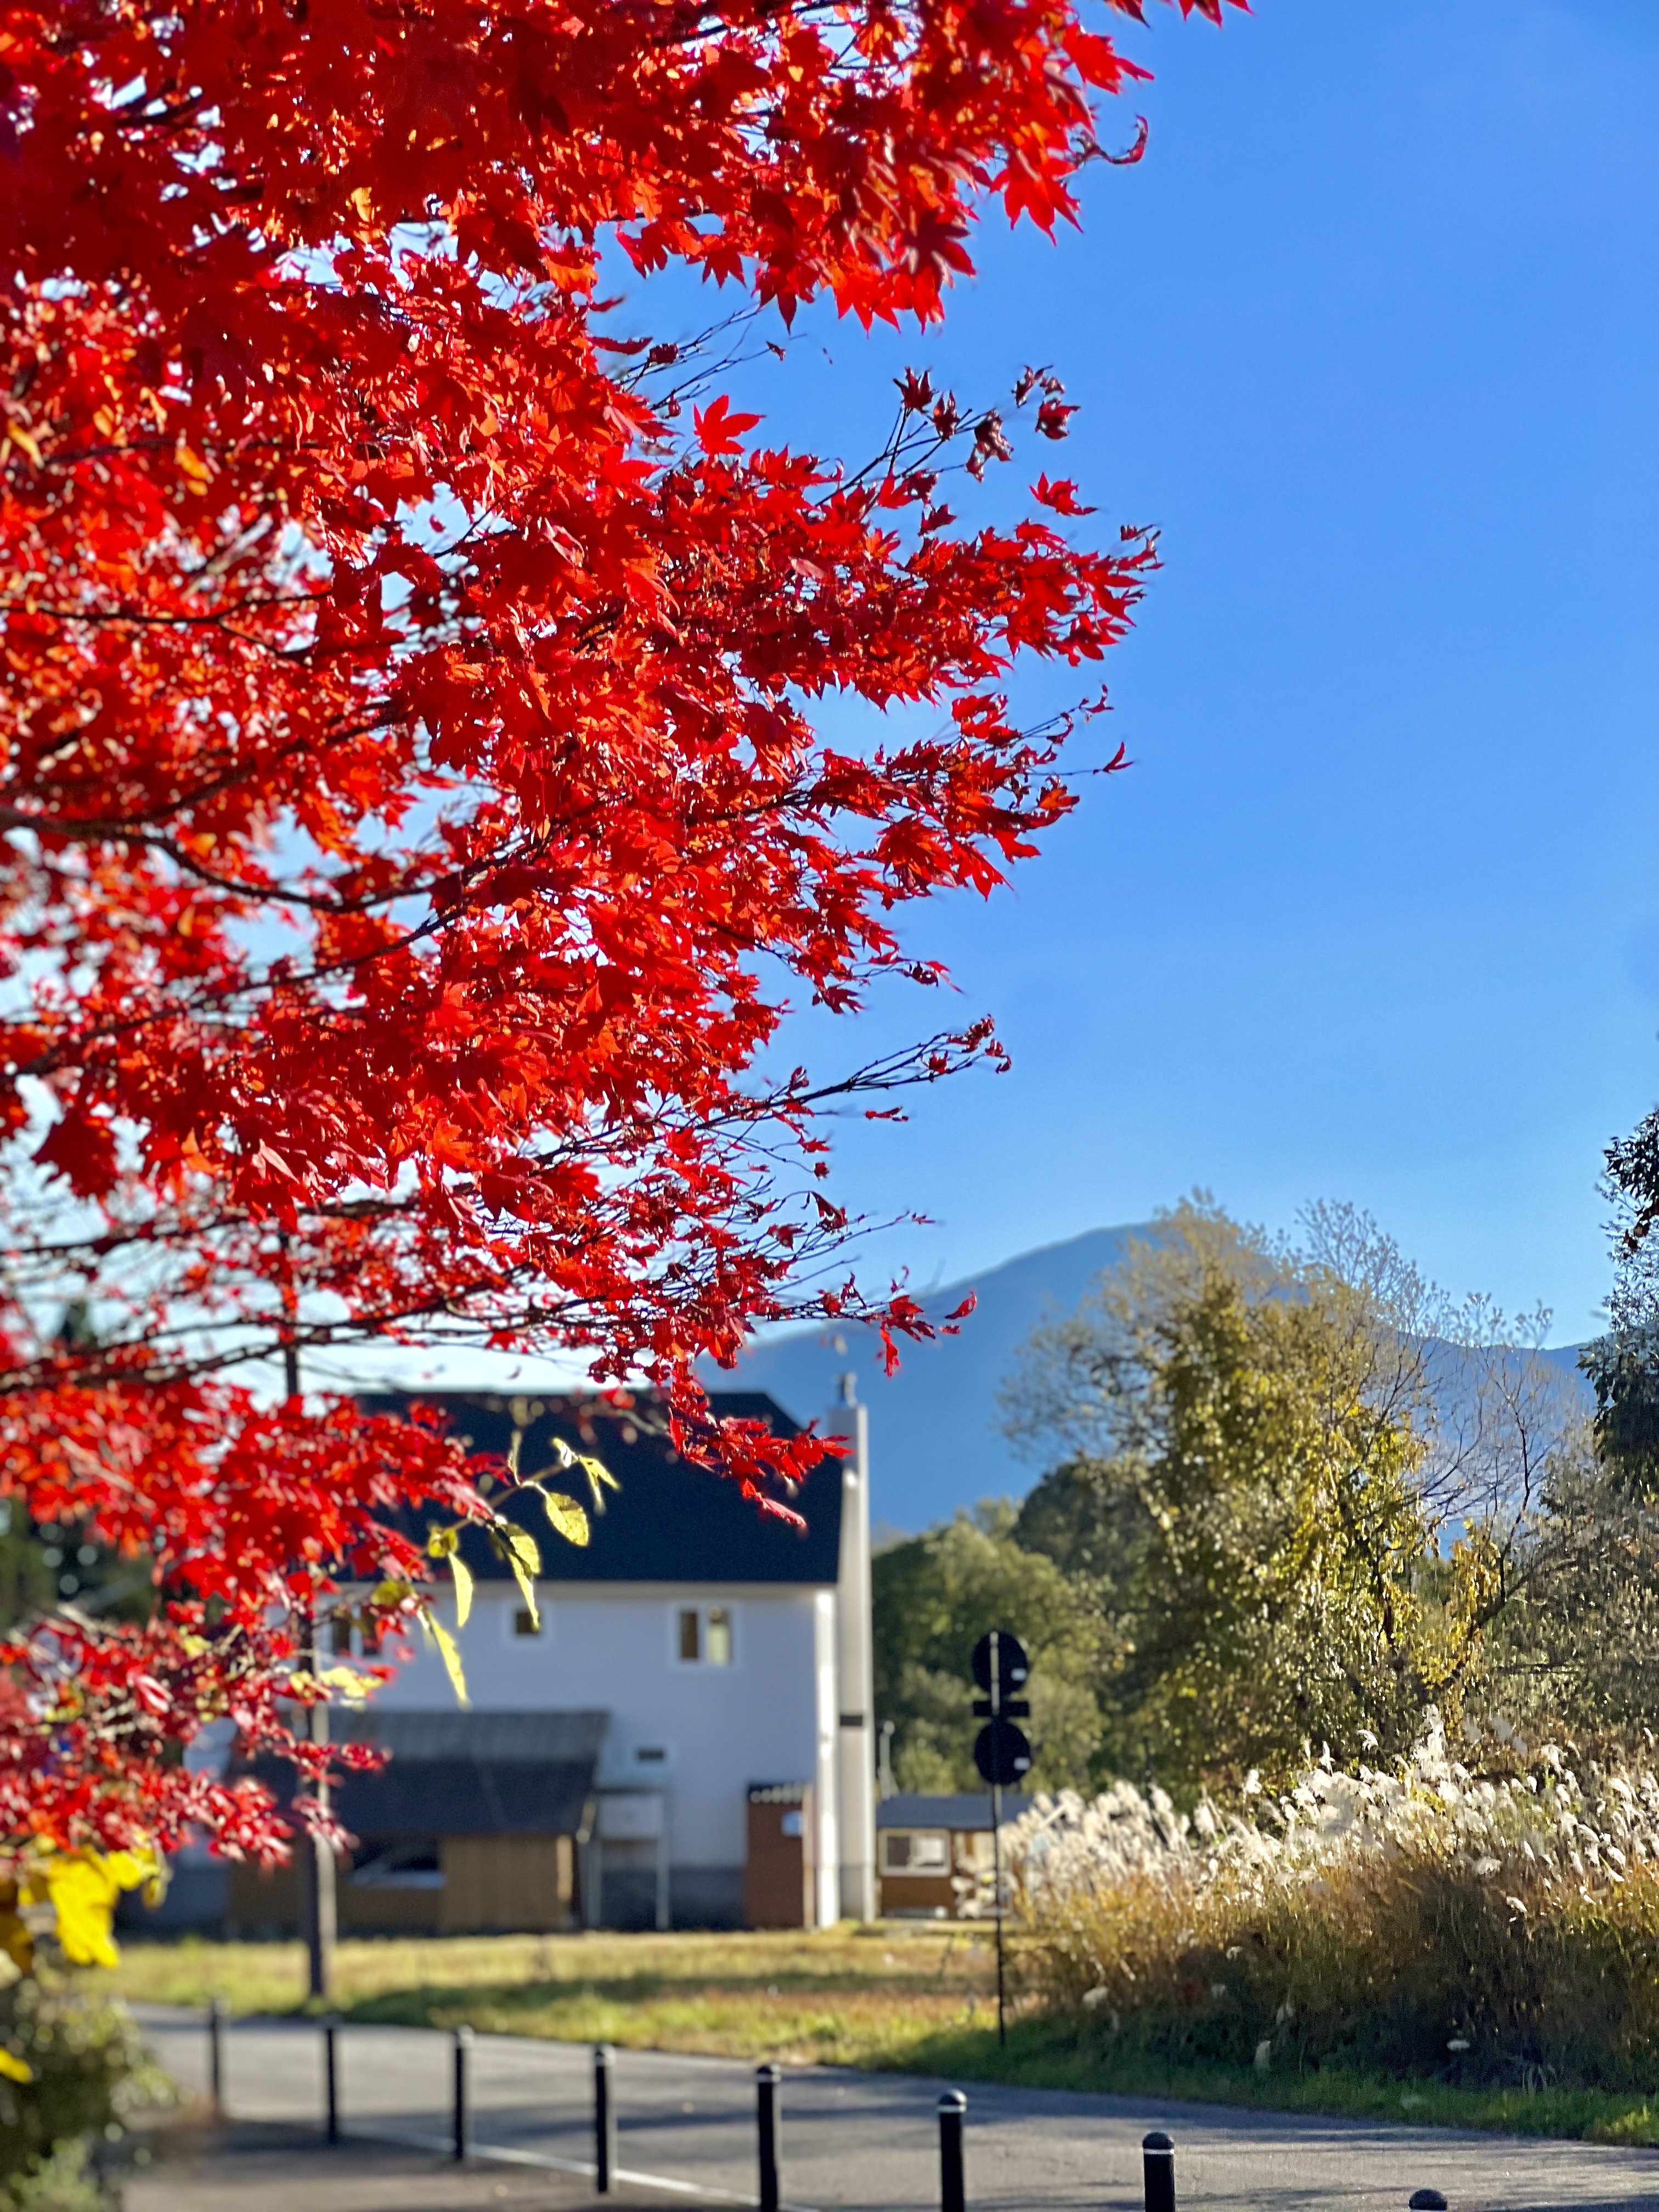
717 1655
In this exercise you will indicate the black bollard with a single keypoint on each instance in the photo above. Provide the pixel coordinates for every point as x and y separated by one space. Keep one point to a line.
463 2129
1158 2160
1427 2200
217 2057
952 2188
766 2116
332 2075
605 2121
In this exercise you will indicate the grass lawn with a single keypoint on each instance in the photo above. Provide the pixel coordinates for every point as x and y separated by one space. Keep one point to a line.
918 1999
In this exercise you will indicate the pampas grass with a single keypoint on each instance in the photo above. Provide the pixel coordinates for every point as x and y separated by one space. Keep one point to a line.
1418 1919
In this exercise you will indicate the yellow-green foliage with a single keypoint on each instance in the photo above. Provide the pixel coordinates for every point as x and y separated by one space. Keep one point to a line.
1420 1921
90 2072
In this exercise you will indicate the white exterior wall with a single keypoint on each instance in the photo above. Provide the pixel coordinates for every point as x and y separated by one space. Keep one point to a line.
768 1716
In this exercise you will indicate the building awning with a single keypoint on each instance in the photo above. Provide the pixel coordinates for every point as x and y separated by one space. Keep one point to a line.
965 1813
463 1774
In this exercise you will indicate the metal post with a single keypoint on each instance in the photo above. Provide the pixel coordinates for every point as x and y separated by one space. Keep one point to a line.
605 2121
996 1839
332 2075
1158 2160
463 2052
952 2189
216 2055
767 2079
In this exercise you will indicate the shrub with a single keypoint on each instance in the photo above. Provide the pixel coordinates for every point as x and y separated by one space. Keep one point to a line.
89 2071
1423 1921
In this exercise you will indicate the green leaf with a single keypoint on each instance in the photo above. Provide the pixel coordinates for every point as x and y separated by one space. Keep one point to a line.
568 1519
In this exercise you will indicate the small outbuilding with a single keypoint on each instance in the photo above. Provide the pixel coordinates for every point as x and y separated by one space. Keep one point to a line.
933 1852
479 1822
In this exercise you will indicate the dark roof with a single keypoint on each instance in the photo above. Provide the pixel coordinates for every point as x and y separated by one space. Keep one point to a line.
969 1810
464 1774
670 1521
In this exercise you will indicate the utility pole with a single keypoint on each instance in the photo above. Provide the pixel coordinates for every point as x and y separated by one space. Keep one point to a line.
319 1906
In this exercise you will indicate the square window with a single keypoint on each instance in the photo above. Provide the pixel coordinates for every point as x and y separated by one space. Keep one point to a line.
690 1636
907 1852
524 1622
719 1651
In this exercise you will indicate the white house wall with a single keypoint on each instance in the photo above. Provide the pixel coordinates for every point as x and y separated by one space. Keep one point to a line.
769 1716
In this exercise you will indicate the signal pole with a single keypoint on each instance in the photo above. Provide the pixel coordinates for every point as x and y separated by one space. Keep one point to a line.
1002 1753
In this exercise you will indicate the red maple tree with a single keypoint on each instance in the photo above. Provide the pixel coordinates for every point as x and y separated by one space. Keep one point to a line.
414 820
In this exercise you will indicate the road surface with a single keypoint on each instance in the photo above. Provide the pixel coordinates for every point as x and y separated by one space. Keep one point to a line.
868 2142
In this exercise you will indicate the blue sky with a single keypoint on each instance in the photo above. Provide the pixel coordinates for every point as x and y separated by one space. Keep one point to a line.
1371 335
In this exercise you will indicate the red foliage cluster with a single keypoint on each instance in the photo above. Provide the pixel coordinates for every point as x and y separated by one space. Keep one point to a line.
413 818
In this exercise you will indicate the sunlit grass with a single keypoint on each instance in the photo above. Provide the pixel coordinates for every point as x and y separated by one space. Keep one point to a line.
900 1998
841 1995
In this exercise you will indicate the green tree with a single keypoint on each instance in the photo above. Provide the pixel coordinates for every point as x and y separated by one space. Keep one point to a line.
934 1597
1254 1472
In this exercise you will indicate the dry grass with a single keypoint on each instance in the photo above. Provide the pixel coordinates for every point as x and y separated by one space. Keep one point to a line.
1423 1926
841 1995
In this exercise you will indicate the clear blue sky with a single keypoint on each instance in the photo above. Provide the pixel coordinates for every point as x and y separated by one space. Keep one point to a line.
1372 335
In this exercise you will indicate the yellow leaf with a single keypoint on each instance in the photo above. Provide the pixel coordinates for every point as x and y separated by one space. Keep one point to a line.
363 200
525 1562
388 1593
450 1657
597 1473
442 1542
192 465
82 1891
15 1940
463 1574
16 2069
24 440
568 1519
347 1683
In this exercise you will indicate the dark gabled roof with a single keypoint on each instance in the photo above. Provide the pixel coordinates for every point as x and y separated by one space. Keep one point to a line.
670 1521
463 1774
971 1810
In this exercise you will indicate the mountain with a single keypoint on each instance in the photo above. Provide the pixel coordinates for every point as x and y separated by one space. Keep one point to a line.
935 1441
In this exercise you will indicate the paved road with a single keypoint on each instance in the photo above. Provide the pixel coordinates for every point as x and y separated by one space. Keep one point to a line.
867 2142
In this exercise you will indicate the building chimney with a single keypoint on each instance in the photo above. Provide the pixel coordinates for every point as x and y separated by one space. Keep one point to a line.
855 1765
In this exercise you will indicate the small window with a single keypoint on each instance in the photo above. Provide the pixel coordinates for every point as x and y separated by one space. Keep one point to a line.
905 1852
413 1863
525 1623
703 1636
651 1755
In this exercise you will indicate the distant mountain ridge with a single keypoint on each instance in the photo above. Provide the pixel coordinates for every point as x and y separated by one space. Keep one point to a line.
935 1437
935 1442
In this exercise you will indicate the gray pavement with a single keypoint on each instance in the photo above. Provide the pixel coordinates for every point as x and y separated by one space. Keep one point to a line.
867 2142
